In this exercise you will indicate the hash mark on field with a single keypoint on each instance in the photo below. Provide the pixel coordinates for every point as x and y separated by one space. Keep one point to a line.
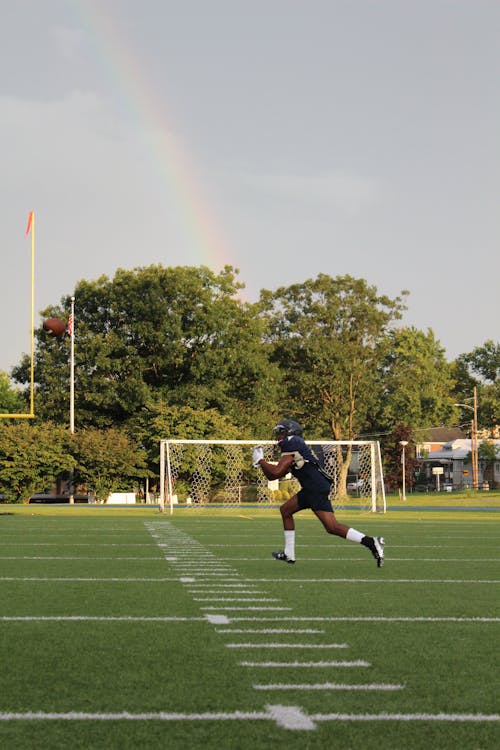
287 645
295 664
269 631
331 686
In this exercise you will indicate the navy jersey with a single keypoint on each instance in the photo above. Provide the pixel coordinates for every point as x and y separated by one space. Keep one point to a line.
305 464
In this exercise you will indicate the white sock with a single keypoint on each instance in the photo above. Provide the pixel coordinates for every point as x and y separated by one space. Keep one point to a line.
355 536
290 544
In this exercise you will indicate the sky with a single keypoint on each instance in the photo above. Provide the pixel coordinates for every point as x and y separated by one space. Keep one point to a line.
285 138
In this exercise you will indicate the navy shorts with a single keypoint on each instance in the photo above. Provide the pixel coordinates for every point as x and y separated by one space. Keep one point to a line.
315 500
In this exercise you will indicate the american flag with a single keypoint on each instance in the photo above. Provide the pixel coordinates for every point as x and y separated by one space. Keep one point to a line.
70 324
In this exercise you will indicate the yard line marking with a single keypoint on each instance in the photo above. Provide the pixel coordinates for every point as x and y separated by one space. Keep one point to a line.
74 544
331 558
287 645
291 717
127 716
92 580
257 609
406 717
372 580
91 618
58 557
239 599
223 591
268 631
287 717
374 618
217 619
301 664
330 686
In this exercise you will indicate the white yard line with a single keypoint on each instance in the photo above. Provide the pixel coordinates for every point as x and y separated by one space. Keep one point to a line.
331 686
365 618
305 664
294 646
287 717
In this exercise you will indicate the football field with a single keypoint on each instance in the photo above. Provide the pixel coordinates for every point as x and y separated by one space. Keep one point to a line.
126 628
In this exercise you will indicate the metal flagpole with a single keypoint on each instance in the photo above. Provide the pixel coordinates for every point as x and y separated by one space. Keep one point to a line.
31 224
71 331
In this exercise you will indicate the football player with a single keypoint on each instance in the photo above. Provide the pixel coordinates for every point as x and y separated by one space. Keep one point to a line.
298 459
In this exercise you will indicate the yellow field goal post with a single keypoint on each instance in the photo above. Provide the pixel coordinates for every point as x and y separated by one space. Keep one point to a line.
201 473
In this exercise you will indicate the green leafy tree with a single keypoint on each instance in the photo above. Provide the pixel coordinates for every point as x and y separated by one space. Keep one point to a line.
108 461
32 457
392 454
11 400
161 421
176 334
328 336
416 382
479 369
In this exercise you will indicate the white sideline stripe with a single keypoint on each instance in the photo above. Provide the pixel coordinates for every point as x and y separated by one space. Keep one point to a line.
406 717
330 686
287 645
366 619
158 558
356 663
372 580
287 717
269 631
75 544
92 580
86 618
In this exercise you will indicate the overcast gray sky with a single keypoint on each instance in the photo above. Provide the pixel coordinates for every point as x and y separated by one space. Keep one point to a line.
284 137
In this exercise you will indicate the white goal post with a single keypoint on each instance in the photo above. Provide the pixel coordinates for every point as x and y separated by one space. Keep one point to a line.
199 473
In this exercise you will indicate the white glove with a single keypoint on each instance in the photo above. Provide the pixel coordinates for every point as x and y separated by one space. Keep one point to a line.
257 455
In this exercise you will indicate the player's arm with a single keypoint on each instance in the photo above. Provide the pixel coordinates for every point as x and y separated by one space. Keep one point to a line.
276 471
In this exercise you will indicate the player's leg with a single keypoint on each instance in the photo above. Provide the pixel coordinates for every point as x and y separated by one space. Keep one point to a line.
332 526
287 511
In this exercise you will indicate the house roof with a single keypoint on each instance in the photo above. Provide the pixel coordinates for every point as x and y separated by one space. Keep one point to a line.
443 434
457 449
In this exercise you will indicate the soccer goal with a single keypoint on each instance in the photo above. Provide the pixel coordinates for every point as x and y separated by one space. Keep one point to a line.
200 473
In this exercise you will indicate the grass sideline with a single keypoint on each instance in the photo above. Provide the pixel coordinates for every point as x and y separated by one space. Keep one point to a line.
425 622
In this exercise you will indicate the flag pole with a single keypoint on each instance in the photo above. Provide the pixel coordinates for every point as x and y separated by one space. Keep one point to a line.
31 225
71 331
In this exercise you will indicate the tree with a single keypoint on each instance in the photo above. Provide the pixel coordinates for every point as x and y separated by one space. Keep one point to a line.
180 335
161 421
328 337
392 455
32 457
107 461
416 382
479 369
11 400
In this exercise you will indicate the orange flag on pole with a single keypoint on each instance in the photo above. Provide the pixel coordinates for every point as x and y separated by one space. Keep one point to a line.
30 222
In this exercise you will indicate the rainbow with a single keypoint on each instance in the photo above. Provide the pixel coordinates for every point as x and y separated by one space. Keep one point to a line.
166 150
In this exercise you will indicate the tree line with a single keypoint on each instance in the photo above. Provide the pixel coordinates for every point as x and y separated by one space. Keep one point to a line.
165 352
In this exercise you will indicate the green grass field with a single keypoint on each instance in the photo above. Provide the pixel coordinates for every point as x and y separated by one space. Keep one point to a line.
125 628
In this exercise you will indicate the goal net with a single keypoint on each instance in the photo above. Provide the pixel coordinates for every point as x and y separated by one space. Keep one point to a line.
200 473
